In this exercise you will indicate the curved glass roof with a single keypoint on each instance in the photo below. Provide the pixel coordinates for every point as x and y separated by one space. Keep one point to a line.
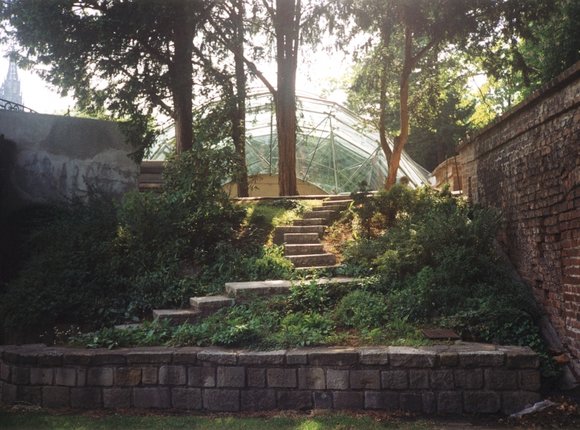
335 150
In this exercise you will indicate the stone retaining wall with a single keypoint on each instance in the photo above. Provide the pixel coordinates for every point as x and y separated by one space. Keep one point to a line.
456 379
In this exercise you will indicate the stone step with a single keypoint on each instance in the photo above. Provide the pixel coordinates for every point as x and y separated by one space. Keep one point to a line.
177 316
344 203
248 290
310 221
306 270
302 249
301 238
325 259
210 304
335 208
279 232
319 213
338 197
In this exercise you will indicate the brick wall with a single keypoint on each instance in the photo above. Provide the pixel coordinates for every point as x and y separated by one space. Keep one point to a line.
527 164
462 378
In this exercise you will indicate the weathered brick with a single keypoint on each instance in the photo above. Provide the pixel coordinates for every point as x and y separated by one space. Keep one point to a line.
100 376
151 397
383 400
29 395
41 376
442 379
296 400
483 402
449 402
55 397
127 376
394 379
86 398
365 379
402 356
258 400
281 378
223 400
469 379
204 376
515 401
231 376
501 379
117 398
172 375
311 378
322 400
530 380
337 379
256 377
66 376
348 399
418 379
186 398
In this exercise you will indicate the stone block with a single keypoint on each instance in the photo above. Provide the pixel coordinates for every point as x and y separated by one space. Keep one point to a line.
256 377
20 375
311 378
218 356
482 402
281 378
149 375
448 359
429 402
348 399
5 372
204 376
523 358
186 355
411 402
127 376
9 393
222 400
50 358
442 379
77 357
402 356
100 376
296 400
418 379
258 400
186 398
322 400
374 356
29 395
501 379
365 379
261 357
470 379
472 359
394 379
172 375
382 400
515 401
530 380
231 376
86 398
337 379
41 376
55 397
66 376
117 398
105 357
153 356
297 356
151 397
333 357
449 402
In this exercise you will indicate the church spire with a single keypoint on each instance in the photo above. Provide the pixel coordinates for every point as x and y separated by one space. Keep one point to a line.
10 89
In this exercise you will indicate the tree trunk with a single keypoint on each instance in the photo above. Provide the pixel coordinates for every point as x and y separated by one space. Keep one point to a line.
286 25
239 114
182 78
386 40
403 137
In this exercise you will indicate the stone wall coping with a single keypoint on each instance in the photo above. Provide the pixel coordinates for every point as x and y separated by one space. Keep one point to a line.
460 353
534 98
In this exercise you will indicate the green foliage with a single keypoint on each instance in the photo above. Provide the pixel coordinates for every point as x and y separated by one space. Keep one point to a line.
308 297
361 309
303 329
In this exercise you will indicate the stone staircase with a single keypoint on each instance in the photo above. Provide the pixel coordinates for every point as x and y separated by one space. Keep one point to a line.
235 292
302 245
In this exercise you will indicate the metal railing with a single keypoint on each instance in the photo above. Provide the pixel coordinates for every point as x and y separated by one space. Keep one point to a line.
12 106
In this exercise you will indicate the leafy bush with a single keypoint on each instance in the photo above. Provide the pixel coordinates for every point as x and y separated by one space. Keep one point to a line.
303 329
308 297
361 309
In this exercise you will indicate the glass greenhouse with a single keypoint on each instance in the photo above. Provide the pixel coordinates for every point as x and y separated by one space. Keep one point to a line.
335 150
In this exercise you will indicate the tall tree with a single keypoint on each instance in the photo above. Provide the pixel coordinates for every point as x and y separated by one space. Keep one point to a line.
124 55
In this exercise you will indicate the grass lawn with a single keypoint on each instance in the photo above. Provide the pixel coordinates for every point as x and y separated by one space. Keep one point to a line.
42 419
